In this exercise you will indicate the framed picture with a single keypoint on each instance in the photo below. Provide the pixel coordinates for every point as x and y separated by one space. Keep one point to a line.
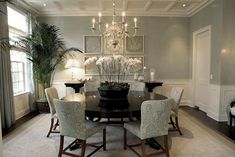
134 45
109 48
140 67
92 44
90 69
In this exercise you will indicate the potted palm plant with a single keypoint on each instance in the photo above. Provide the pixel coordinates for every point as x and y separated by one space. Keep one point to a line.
45 49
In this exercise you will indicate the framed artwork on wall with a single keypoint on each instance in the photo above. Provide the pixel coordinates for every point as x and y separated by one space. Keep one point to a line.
90 69
134 45
110 49
140 69
92 44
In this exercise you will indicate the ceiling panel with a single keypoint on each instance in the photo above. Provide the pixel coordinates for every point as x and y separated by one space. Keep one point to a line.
132 7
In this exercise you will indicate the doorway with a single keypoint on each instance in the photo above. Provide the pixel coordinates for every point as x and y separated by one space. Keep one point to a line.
201 67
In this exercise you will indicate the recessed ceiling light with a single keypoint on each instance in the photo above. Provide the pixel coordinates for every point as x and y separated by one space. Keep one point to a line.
44 4
184 5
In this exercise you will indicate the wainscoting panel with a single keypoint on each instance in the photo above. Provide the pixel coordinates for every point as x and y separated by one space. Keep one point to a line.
21 103
227 95
212 109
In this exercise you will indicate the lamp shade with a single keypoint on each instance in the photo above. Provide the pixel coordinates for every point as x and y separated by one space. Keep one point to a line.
72 63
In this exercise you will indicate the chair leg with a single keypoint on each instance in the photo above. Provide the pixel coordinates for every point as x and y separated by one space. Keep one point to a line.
143 148
124 138
166 145
172 123
83 148
231 122
104 139
177 125
56 124
61 145
51 127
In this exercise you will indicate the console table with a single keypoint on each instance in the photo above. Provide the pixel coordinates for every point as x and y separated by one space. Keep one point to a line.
152 84
75 85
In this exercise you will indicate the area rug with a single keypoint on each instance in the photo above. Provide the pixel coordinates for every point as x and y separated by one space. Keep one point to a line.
198 140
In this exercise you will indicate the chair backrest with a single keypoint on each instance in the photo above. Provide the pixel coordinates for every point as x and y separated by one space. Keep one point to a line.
176 94
155 115
71 116
91 86
51 94
137 86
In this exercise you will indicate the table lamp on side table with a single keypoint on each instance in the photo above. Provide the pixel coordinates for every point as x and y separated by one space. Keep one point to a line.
72 64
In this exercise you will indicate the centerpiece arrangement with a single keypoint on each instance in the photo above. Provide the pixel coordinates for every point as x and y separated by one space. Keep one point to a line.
113 71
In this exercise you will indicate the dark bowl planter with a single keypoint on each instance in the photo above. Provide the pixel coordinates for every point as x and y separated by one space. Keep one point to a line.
113 94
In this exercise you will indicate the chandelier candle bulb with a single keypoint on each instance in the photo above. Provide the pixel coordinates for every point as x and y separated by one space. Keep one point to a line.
135 21
126 27
123 17
107 26
99 17
93 23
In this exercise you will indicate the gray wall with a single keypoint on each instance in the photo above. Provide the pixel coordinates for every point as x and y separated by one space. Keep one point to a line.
210 15
228 47
166 41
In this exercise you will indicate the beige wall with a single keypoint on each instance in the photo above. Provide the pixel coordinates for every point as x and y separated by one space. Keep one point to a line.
228 44
211 15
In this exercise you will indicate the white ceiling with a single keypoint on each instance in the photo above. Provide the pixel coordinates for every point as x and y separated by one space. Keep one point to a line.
131 7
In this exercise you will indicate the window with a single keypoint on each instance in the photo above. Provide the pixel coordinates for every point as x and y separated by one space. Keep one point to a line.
17 69
18 26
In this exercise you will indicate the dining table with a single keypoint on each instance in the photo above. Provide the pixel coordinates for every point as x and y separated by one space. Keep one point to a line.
98 107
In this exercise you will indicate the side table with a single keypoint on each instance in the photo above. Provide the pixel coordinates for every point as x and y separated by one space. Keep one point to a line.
152 84
75 85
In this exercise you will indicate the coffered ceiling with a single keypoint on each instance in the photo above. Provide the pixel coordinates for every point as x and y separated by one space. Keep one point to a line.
180 8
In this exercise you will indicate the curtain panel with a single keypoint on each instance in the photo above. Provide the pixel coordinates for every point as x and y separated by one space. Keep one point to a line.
6 89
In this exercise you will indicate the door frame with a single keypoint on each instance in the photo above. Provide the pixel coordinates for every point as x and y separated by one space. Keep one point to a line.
195 33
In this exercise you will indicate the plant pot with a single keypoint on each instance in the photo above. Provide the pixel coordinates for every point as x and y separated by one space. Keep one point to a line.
113 94
42 106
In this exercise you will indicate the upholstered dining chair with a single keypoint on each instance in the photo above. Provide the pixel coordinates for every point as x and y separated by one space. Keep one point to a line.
137 86
232 113
91 86
71 115
154 122
51 93
175 96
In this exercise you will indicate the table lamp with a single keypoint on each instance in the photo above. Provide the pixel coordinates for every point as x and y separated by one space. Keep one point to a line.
72 64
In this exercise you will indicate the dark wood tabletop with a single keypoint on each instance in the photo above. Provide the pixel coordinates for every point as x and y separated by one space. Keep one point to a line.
96 107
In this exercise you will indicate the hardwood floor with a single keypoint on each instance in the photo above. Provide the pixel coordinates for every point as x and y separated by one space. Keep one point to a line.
221 127
19 122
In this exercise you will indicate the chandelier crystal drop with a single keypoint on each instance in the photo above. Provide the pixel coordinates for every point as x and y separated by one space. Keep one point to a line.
117 30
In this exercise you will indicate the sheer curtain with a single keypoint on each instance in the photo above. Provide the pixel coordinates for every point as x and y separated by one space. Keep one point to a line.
31 86
6 90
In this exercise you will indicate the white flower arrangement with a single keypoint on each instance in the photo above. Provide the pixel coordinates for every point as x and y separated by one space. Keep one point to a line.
114 68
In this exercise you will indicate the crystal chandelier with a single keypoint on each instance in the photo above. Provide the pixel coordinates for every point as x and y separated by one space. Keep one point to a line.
117 30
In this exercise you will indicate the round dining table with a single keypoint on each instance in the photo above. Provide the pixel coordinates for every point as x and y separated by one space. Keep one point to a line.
97 107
